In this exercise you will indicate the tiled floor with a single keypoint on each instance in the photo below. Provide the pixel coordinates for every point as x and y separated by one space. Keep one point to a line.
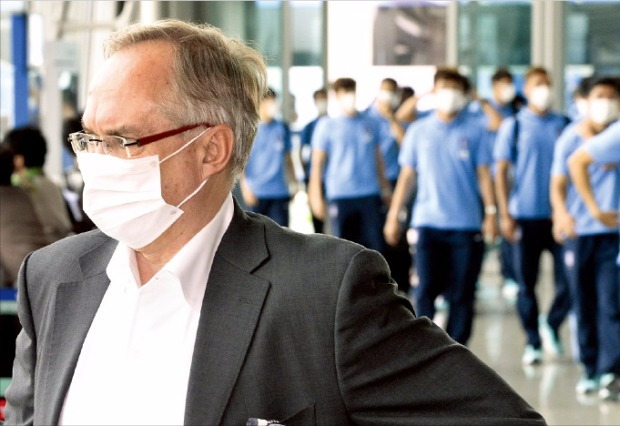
550 387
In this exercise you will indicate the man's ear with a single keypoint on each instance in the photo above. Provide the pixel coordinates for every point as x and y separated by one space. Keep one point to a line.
217 149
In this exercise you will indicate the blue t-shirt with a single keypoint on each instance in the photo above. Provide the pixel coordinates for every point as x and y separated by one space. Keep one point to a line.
475 108
305 140
350 144
388 146
446 157
605 183
265 171
605 149
532 153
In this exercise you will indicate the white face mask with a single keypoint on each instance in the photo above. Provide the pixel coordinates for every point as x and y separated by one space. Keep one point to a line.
347 102
321 106
507 93
450 101
603 111
387 96
582 107
541 97
271 109
123 196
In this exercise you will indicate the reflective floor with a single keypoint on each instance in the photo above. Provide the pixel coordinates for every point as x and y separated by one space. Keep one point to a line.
499 341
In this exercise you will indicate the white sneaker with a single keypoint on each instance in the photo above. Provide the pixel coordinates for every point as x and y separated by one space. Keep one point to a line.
587 384
510 290
550 339
531 355
609 387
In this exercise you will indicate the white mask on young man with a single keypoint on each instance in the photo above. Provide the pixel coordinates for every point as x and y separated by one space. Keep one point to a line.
389 97
541 97
271 109
347 102
582 107
507 93
603 111
123 197
321 106
450 101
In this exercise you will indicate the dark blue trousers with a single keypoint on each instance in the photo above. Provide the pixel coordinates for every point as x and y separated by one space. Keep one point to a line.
358 220
506 260
535 237
594 281
448 262
274 208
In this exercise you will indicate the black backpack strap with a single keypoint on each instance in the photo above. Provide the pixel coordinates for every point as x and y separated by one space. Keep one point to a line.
515 139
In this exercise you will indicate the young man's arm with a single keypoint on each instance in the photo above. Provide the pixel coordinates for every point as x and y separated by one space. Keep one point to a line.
391 229
578 164
563 222
315 186
485 184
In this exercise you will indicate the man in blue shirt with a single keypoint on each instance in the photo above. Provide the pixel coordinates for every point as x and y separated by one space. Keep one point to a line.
345 153
448 153
525 143
320 102
591 241
392 132
503 103
269 172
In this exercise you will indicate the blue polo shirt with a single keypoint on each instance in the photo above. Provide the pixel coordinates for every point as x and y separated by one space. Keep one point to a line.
350 144
475 108
446 157
531 156
388 145
605 183
265 171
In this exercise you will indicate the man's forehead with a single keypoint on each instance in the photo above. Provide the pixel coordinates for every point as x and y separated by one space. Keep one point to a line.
128 88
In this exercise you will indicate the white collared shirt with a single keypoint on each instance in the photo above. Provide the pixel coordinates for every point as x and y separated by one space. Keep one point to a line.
135 362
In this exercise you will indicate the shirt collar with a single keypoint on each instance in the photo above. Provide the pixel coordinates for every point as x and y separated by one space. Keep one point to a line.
190 266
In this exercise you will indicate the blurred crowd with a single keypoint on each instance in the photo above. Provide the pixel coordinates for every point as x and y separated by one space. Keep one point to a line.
430 189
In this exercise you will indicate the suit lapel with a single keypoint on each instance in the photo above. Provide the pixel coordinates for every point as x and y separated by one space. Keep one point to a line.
74 310
232 305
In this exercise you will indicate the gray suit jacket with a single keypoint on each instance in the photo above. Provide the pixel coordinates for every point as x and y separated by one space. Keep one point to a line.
305 329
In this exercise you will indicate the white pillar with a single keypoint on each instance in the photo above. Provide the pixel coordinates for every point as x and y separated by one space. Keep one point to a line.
452 48
150 11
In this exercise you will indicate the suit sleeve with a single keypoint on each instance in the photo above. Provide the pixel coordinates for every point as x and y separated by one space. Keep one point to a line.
20 393
395 369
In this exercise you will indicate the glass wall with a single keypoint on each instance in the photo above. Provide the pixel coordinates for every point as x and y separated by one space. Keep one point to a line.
306 73
592 40
290 35
494 34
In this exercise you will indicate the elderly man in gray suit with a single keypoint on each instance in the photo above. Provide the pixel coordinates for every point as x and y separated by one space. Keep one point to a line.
183 309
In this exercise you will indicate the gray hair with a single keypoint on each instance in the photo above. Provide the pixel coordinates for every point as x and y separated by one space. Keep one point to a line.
218 80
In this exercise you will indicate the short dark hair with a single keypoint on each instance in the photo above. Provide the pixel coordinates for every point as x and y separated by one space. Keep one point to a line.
70 125
501 74
347 84
321 91
536 71
28 142
451 74
390 81
6 165
612 82
270 94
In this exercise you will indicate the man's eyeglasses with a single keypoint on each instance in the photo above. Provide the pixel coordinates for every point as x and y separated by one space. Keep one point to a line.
118 145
